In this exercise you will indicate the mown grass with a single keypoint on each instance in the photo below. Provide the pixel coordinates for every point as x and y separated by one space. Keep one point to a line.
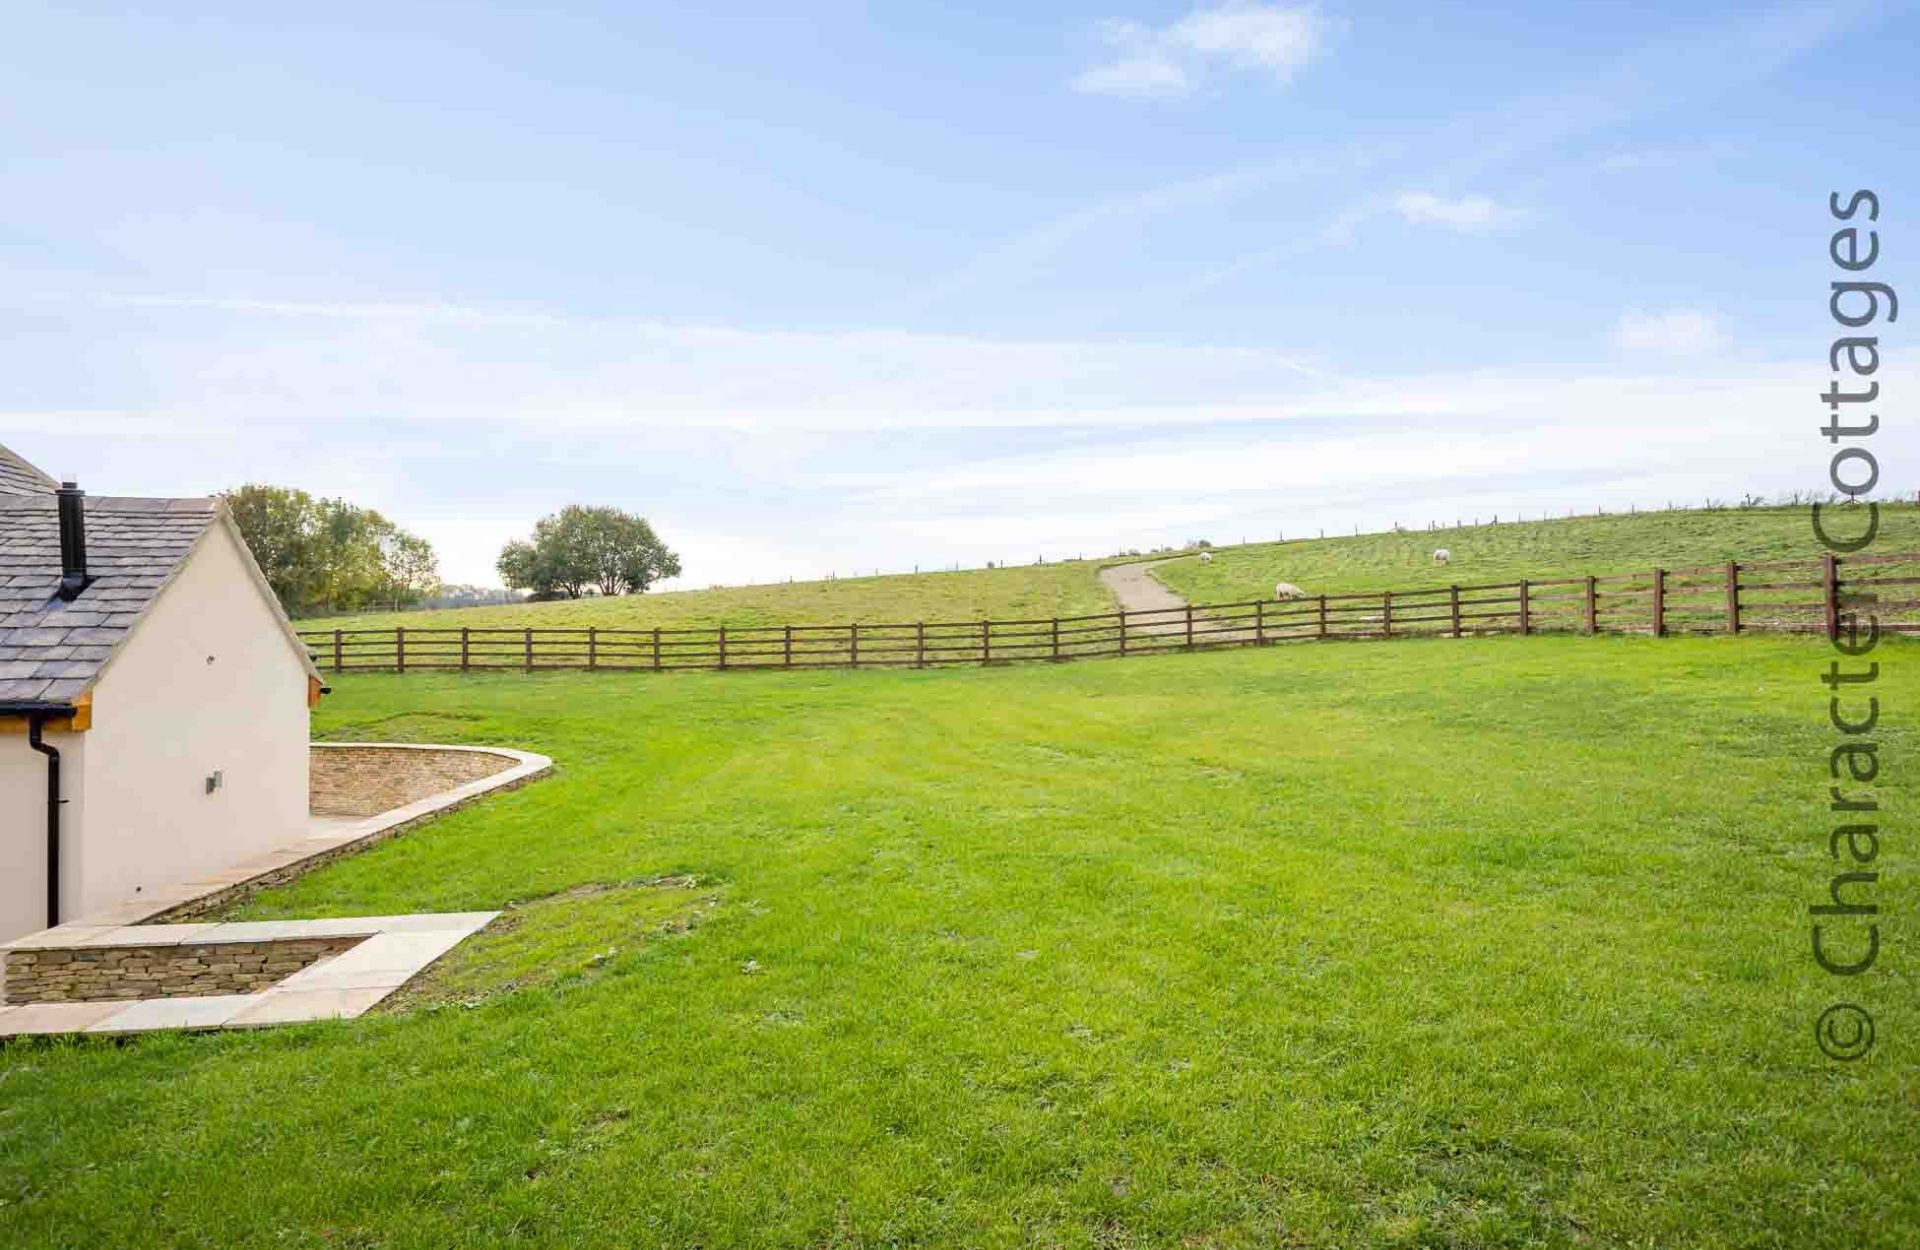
1027 592
1500 942
1571 547
573 934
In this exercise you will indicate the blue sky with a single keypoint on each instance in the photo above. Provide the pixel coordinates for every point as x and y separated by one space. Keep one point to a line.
831 288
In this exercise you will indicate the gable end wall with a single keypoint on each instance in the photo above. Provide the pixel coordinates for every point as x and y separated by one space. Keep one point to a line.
206 682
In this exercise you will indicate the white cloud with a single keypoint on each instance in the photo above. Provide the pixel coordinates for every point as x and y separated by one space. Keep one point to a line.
1677 332
1266 37
1173 60
766 454
1407 434
1470 214
1145 74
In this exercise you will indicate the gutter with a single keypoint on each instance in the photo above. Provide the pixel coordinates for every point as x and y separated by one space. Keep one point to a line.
36 722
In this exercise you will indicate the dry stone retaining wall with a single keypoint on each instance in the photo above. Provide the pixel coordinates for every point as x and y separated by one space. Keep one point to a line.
108 973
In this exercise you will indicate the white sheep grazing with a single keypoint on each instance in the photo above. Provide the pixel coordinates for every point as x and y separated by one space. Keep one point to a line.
1206 557
1441 555
1287 590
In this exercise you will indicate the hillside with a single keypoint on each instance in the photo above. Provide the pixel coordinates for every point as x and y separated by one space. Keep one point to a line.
1482 553
1575 546
971 594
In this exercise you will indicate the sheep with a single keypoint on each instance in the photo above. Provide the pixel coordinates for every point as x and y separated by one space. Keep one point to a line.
1206 557
1287 590
1441 555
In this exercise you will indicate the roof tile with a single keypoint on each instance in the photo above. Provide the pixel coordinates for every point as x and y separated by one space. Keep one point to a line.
52 650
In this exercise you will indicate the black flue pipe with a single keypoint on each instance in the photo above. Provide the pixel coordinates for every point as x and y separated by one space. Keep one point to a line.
73 541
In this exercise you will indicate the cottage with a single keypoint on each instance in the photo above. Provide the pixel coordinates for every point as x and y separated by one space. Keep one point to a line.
153 699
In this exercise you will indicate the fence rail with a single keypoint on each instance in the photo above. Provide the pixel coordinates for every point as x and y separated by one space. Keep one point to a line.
1773 596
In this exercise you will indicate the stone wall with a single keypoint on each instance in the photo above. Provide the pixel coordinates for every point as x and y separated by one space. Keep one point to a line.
368 780
100 973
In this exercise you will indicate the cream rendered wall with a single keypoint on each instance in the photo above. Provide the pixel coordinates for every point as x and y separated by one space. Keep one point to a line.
207 681
23 827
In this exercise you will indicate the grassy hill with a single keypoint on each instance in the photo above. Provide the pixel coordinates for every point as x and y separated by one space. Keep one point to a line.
1481 553
971 594
1575 546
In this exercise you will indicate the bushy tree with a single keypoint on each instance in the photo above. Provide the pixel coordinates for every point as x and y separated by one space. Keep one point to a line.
581 547
329 554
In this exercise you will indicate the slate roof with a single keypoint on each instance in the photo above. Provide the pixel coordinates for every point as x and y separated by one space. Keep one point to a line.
51 651
17 477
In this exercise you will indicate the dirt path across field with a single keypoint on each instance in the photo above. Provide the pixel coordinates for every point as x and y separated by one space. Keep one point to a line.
1140 591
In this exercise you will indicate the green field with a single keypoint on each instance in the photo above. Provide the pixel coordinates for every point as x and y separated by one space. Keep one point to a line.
1386 561
1030 591
1495 943
1574 547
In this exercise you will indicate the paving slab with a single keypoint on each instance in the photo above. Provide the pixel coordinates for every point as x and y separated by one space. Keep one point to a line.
388 959
208 1011
297 1006
60 938
152 935
28 1018
284 930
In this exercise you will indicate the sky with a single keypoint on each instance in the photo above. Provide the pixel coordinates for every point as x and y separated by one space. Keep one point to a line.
834 288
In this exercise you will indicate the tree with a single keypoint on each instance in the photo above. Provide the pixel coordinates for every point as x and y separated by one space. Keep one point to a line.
582 546
412 570
328 553
278 525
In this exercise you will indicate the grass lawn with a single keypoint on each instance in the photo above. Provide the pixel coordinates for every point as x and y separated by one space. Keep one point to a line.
1573 547
1068 589
1499 942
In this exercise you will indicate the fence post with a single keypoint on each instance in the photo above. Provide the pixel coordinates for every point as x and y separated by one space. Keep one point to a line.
1056 637
853 644
593 647
336 651
786 646
1123 631
656 648
1830 584
1733 597
986 642
1323 616
723 648
399 648
1189 626
1453 603
1386 613
529 648
465 648
1593 605
919 644
1659 603
1526 610
1259 622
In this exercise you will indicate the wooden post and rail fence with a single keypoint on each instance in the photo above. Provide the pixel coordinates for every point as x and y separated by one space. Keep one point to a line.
1769 596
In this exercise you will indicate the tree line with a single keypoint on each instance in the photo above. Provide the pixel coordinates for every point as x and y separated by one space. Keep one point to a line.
329 555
